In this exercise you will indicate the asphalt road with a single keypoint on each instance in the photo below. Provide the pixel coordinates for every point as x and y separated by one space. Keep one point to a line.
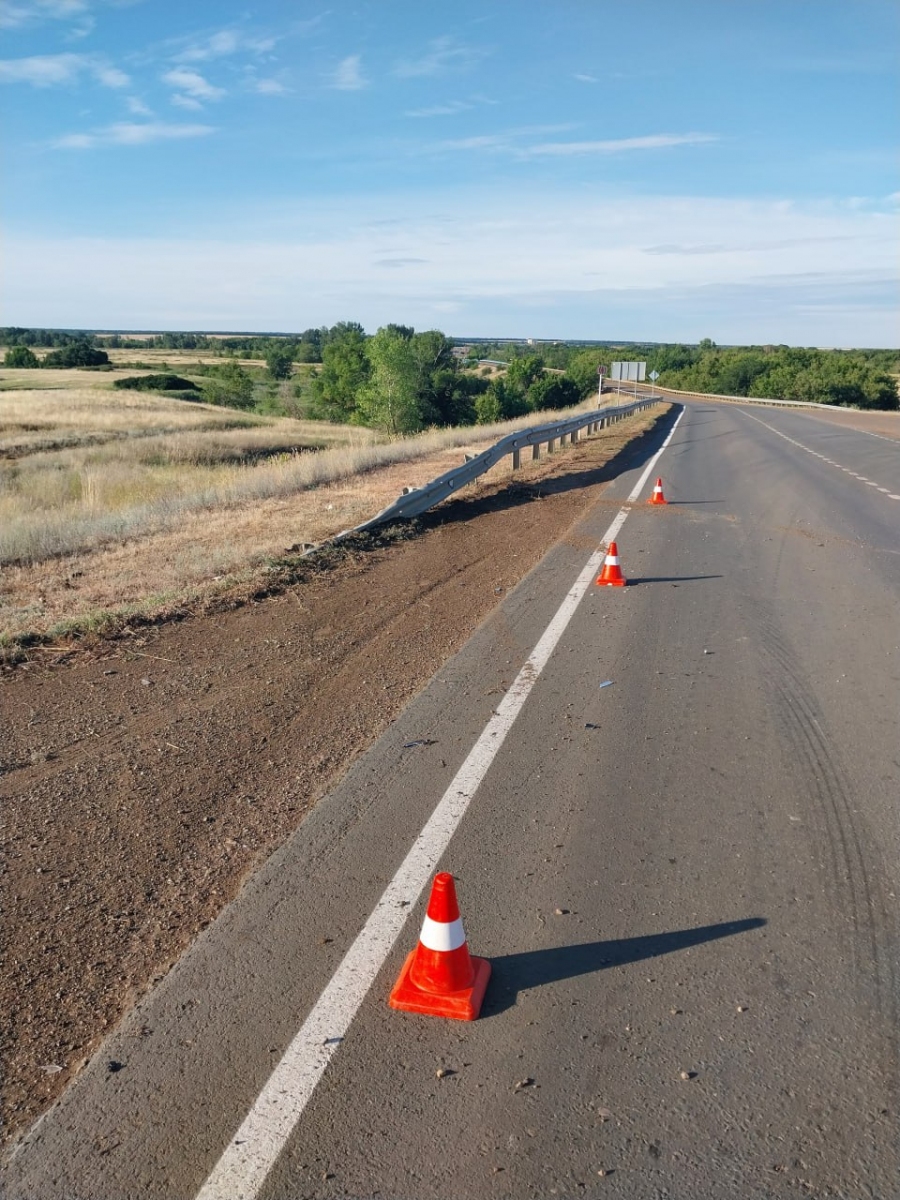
686 882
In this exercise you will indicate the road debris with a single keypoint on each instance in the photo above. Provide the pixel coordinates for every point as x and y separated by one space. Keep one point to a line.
523 1083
419 742
606 683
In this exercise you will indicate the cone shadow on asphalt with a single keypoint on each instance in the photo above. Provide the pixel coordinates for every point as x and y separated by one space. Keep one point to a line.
514 973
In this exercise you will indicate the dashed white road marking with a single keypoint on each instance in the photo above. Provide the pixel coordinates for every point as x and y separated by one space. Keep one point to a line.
242 1170
816 454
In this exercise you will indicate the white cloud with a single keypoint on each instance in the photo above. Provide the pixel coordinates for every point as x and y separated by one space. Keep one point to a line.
187 102
223 43
656 141
545 263
111 77
138 107
348 76
587 78
13 15
192 84
445 54
54 70
131 133
44 70
440 110
270 87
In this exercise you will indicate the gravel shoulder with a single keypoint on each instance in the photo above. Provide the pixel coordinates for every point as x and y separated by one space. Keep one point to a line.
143 778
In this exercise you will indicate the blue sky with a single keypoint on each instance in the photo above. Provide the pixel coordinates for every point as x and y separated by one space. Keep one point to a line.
642 170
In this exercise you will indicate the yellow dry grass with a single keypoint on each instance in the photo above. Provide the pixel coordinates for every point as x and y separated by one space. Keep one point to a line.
134 493
32 419
207 552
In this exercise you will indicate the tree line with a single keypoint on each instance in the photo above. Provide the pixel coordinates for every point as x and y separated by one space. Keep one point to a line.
855 378
401 380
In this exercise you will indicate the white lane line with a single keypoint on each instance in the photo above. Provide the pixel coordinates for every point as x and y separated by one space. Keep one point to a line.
816 454
241 1171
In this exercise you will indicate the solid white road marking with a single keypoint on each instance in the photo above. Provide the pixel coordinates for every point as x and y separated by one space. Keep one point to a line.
241 1171
815 453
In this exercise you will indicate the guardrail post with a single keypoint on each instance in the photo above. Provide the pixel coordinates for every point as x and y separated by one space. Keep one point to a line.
517 459
535 451
551 445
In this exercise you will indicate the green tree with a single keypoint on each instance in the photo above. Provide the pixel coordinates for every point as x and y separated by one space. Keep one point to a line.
553 391
523 372
345 371
20 356
582 371
454 396
501 402
279 361
230 387
390 399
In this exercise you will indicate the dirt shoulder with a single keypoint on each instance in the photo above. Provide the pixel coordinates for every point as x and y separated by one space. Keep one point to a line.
143 778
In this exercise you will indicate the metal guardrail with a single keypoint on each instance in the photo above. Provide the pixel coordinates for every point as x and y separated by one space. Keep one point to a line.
415 501
753 400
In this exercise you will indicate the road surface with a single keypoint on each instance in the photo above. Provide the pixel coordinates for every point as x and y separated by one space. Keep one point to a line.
686 882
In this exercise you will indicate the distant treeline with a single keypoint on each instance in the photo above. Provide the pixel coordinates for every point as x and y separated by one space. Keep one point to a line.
402 380
858 378
303 347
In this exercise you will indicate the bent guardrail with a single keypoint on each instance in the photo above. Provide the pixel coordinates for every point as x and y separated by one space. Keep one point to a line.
418 500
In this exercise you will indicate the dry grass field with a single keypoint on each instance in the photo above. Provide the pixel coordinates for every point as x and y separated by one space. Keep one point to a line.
115 503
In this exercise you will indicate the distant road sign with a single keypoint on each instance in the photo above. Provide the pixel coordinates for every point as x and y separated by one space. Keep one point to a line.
628 371
654 375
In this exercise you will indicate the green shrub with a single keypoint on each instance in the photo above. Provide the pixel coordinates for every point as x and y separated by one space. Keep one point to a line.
79 354
157 383
20 356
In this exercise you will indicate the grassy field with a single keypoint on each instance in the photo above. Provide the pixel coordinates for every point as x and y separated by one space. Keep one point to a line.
116 500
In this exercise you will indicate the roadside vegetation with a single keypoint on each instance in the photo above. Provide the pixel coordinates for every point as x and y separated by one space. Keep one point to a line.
401 381
91 462
854 378
157 505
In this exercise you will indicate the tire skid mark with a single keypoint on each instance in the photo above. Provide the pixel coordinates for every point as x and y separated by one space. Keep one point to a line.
855 863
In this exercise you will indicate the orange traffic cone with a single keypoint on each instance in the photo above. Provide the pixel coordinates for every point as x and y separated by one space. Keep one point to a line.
440 978
611 575
658 497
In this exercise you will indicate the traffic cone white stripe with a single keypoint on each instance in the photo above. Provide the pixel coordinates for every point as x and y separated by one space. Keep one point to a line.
442 935
612 560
